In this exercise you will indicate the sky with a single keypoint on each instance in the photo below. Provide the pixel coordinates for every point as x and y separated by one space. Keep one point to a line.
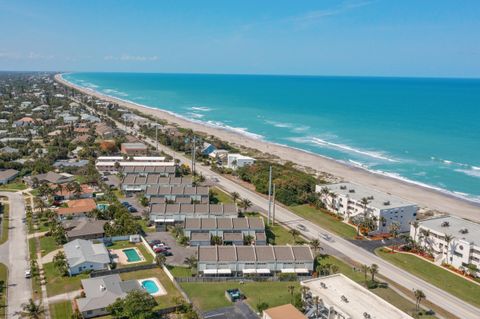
424 38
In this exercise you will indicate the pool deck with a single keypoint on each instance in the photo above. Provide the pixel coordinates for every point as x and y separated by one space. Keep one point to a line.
121 258
161 290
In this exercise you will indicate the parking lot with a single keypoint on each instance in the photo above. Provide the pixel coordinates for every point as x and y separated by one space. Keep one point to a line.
239 310
179 252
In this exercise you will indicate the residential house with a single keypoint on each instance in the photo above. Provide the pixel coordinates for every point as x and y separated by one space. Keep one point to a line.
133 149
104 130
70 163
8 150
207 149
24 121
83 255
77 208
50 177
232 230
7 175
165 168
287 311
84 229
235 161
196 194
101 292
163 214
261 260
140 182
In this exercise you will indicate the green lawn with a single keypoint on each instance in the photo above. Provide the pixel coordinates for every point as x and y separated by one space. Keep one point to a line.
276 234
209 296
126 244
61 309
172 292
221 196
5 215
178 271
14 187
324 220
32 247
57 284
145 228
435 275
47 245
3 288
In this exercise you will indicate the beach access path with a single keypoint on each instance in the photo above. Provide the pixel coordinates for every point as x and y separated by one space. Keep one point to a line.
13 254
423 196
337 245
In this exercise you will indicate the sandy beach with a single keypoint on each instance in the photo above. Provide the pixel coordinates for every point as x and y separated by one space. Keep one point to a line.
424 197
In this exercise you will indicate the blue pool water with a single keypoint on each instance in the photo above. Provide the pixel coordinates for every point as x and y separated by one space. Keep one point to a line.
132 255
150 286
425 131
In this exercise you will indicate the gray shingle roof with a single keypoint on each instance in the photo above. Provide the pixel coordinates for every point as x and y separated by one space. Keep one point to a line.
79 251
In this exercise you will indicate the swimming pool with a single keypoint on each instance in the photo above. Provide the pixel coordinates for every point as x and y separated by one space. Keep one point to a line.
132 255
150 286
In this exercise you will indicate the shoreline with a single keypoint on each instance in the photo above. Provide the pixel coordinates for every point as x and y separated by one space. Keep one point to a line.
424 196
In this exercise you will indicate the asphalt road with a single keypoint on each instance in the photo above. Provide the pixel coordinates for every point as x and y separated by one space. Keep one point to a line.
13 253
435 295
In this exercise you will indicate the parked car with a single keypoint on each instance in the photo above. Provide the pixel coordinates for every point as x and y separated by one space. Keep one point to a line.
155 242
28 273
162 245
132 209
126 204
159 250
166 253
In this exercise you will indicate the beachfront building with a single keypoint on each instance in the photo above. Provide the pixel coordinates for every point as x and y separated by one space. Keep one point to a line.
235 161
287 311
247 260
350 200
196 194
163 214
140 182
339 297
133 149
166 168
101 292
148 159
232 231
83 255
451 240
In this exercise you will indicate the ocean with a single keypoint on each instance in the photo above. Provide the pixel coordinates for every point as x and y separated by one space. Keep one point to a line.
421 130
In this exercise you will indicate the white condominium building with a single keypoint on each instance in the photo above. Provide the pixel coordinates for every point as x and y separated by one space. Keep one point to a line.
347 200
453 240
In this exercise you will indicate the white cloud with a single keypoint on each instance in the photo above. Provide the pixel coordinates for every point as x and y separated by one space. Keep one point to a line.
128 57
5 55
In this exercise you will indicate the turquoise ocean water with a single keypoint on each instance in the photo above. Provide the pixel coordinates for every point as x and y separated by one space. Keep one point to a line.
426 131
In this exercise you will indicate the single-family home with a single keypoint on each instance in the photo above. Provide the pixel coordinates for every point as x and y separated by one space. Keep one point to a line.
133 149
77 208
83 255
7 175
235 161
84 229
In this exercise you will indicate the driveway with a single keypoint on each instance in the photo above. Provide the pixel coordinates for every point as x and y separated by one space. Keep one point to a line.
14 254
179 252
239 310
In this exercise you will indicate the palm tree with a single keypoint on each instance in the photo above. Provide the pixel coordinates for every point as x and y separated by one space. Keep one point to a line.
248 240
315 244
39 203
448 239
325 192
365 270
31 310
235 196
160 259
291 290
60 263
415 224
373 271
394 228
191 262
419 295
304 290
365 201
294 233
216 240
245 204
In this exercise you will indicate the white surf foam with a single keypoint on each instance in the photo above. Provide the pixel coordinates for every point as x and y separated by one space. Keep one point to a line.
201 108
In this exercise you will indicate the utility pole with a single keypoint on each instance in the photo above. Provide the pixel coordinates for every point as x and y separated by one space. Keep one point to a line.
156 135
193 156
269 195
273 210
